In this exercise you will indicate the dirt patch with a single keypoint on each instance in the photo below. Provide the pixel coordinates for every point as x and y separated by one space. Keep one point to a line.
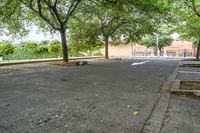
190 85
186 87
190 65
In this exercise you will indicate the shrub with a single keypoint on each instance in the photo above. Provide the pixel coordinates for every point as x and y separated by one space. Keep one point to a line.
55 47
42 49
21 54
30 46
6 48
73 51
98 53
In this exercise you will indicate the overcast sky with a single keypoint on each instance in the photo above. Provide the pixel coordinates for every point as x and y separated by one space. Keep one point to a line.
35 35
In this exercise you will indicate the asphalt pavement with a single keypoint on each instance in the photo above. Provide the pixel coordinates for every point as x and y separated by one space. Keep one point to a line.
105 97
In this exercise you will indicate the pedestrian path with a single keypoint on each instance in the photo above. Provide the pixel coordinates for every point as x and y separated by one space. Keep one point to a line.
183 112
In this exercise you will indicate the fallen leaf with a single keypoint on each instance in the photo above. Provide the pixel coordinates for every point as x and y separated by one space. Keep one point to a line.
135 112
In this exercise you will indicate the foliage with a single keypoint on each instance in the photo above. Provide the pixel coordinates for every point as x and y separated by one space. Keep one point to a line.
12 18
76 50
6 48
42 49
94 22
47 14
150 41
21 54
107 21
35 47
156 42
55 47
30 46
187 20
83 37
98 53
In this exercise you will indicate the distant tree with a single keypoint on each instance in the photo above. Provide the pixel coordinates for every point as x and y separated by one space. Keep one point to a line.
105 16
109 18
151 41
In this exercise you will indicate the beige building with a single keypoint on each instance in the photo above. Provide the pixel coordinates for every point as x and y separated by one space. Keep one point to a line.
177 48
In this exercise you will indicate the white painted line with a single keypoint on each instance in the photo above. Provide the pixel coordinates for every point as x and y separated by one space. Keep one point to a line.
189 72
139 63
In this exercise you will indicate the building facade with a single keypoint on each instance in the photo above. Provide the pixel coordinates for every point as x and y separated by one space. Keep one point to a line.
176 49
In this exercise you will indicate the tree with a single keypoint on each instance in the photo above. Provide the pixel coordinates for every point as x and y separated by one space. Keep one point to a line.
12 18
187 20
112 19
151 41
54 13
194 5
84 36
106 18
160 37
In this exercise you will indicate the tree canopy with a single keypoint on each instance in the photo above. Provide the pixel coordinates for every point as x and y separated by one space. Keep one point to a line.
108 21
92 23
186 20
53 14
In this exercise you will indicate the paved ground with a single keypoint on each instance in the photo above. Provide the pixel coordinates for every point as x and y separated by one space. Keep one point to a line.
107 97
182 115
183 112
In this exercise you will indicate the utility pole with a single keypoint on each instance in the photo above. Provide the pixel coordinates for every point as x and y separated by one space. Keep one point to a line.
157 41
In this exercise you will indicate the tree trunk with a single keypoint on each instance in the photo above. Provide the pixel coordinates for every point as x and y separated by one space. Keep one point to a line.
198 50
106 39
160 49
132 49
64 45
155 51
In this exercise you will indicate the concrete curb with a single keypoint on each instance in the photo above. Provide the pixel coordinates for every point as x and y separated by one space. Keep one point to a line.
44 60
155 120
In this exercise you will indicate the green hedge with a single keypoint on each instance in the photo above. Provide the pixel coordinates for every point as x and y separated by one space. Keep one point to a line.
21 54
35 50
6 48
55 48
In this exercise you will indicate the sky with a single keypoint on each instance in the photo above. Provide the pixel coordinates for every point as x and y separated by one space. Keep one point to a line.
33 35
36 35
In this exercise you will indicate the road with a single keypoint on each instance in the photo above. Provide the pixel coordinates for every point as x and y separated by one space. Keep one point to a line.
106 97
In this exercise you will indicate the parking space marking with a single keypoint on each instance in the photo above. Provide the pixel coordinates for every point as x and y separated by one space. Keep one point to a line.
139 63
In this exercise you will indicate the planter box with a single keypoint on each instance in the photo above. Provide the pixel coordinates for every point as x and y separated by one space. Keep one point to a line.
190 64
186 87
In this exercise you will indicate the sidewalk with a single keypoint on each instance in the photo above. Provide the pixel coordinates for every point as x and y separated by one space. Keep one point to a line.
183 111
14 62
